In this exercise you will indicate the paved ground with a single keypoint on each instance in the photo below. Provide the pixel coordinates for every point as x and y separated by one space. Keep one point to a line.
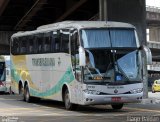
152 98
14 109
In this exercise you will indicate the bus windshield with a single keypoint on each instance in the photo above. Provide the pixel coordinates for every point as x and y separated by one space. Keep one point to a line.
106 38
109 59
122 67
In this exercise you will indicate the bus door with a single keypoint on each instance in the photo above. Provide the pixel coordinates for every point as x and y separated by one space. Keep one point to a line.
74 45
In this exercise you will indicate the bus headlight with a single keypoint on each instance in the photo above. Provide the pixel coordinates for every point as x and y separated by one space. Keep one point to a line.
134 91
92 92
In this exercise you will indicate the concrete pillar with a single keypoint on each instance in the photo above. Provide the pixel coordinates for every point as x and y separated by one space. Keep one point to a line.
5 37
131 11
5 42
103 10
154 34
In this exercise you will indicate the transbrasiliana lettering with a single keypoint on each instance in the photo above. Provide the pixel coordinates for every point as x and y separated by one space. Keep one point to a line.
43 61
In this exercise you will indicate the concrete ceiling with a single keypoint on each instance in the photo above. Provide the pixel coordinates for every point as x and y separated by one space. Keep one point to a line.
3 4
18 15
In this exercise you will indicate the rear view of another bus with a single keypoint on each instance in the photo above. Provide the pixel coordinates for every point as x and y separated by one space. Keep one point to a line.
2 75
5 74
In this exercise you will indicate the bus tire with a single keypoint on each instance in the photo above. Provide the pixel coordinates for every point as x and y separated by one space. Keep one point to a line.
21 91
68 104
117 106
27 96
10 91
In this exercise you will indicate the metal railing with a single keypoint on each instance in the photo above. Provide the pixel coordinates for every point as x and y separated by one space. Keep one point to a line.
153 9
153 44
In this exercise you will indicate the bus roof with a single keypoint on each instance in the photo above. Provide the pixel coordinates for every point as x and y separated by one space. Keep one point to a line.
86 24
76 24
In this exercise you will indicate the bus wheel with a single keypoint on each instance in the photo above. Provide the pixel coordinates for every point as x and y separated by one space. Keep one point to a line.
117 106
10 91
21 91
27 96
68 104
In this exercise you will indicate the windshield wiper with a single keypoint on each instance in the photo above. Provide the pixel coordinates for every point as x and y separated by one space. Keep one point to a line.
117 68
122 72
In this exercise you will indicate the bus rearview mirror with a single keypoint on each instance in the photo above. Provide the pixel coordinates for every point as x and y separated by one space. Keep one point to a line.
82 57
148 54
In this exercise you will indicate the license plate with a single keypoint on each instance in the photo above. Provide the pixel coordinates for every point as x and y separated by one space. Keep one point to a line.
116 99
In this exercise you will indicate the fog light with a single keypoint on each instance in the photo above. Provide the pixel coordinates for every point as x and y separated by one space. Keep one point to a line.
91 99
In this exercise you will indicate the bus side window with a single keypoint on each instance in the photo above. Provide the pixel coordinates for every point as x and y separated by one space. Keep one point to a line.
56 41
30 45
47 46
39 39
36 38
40 46
74 44
65 41
53 41
57 45
47 42
15 46
23 45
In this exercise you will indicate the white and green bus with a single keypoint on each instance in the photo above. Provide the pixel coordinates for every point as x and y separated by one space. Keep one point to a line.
50 63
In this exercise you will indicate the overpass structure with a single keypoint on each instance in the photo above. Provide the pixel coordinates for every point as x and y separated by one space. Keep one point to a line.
153 25
22 15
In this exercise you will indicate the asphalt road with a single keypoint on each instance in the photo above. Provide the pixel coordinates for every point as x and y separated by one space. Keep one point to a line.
13 109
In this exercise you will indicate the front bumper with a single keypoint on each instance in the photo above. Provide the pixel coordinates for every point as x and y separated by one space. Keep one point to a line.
90 99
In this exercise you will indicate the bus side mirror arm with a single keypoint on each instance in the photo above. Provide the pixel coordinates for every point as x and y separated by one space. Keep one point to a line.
82 56
147 53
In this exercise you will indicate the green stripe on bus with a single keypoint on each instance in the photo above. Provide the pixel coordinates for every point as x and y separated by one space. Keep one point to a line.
67 78
14 73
